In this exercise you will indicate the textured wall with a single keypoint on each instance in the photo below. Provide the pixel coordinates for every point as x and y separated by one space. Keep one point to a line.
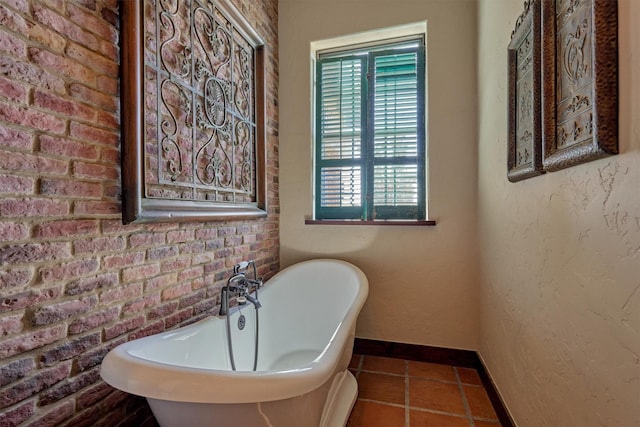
560 256
75 282
423 280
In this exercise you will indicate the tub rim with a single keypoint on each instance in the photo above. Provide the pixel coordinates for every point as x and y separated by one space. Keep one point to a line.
196 385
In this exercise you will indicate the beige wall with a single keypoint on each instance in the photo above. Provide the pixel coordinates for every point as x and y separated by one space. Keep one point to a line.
423 280
560 256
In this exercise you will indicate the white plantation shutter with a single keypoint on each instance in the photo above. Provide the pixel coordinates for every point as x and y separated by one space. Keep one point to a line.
370 137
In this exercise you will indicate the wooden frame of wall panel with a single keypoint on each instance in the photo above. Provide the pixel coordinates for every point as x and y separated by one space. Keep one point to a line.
581 81
137 206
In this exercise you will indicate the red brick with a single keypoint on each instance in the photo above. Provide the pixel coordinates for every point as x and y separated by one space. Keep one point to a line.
123 327
91 284
108 85
180 236
94 357
93 320
30 386
110 16
146 239
10 89
150 329
93 97
122 293
96 171
22 162
54 417
94 24
55 313
207 306
46 36
35 252
97 61
14 138
115 226
15 278
206 234
179 317
175 264
176 291
95 208
233 241
85 418
32 208
70 188
99 244
122 260
14 371
11 325
193 247
28 73
214 244
66 107
162 252
191 299
65 228
134 306
17 415
92 395
16 184
31 340
192 273
226 231
162 310
93 134
61 65
161 282
63 26
143 272
12 20
10 231
67 350
31 118
70 270
67 148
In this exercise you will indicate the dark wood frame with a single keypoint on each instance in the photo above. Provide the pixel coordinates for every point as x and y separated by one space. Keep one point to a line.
137 207
527 24
603 99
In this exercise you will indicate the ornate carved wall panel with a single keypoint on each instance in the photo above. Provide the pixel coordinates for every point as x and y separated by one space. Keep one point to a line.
525 116
193 112
582 63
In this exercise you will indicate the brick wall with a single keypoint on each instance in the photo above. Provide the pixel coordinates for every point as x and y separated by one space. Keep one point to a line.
75 282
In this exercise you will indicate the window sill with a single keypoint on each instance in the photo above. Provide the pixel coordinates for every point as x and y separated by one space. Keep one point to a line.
385 223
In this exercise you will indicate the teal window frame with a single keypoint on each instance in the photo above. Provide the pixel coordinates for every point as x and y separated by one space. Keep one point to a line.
346 184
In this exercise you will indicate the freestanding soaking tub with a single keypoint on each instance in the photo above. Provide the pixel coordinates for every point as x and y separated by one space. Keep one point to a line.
306 332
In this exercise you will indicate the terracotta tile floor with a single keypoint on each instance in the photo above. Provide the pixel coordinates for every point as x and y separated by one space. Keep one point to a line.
404 393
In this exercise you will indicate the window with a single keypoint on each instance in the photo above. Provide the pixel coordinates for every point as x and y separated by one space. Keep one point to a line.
370 132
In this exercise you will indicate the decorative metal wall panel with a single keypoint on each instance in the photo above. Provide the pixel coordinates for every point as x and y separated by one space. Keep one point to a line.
200 153
581 65
525 101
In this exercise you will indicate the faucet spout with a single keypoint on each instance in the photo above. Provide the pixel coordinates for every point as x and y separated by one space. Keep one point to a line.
252 300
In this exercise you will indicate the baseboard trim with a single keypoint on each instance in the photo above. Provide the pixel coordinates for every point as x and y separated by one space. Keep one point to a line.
425 353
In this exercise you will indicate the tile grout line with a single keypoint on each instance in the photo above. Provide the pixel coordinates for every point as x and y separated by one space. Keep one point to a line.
464 398
359 367
407 412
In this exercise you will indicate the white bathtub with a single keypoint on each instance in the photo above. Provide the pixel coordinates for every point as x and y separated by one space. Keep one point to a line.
307 323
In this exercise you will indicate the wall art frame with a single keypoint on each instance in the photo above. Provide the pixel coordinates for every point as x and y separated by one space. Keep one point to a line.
580 80
524 156
193 121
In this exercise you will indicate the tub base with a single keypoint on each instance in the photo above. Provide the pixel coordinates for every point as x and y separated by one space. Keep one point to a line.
339 406
328 406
